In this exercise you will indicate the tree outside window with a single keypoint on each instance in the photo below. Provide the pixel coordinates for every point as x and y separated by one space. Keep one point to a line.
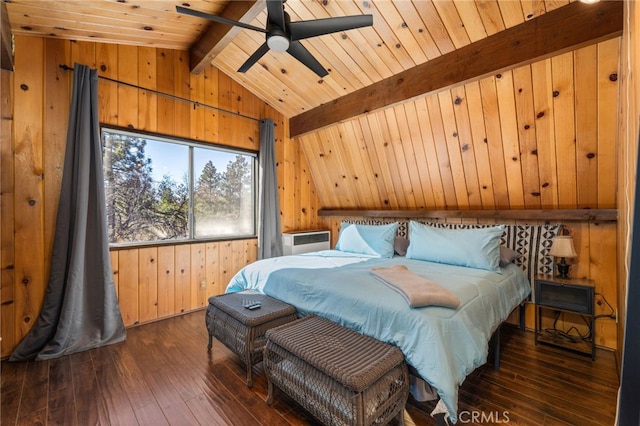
150 196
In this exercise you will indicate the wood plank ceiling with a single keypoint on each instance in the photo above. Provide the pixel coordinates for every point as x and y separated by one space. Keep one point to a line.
405 34
540 135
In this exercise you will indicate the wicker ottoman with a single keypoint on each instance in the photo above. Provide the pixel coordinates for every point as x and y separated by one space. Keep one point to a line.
337 374
243 330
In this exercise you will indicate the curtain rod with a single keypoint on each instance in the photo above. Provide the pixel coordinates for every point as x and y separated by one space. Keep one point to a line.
195 103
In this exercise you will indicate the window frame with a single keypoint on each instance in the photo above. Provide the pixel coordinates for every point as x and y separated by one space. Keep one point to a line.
191 144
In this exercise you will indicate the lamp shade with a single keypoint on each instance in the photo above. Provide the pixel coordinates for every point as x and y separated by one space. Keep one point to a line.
562 246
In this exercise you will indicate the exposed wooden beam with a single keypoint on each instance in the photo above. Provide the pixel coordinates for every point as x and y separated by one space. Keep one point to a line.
582 215
6 44
218 36
558 31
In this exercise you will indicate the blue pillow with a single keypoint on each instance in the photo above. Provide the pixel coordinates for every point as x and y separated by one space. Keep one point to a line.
372 240
474 247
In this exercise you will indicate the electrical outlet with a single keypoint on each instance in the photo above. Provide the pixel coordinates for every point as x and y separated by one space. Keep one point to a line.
203 284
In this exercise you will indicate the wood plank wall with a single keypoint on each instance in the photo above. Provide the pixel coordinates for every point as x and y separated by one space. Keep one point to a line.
541 136
542 150
152 282
6 204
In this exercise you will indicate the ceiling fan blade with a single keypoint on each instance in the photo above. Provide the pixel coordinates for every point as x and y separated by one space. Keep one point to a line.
304 29
275 13
219 19
298 51
254 58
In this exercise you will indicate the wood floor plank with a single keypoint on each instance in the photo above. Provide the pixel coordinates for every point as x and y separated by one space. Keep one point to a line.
547 368
164 375
131 377
203 408
167 397
552 421
13 374
90 406
264 414
188 381
583 400
10 400
570 362
61 409
35 390
151 414
501 397
563 407
179 414
118 407
476 409
38 417
60 374
11 385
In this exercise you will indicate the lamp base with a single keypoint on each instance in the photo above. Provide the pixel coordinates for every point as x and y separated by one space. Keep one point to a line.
563 269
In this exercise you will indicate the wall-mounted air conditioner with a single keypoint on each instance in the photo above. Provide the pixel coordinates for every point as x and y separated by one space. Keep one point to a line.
305 241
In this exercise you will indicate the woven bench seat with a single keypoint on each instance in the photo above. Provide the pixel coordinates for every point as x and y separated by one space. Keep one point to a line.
243 330
337 374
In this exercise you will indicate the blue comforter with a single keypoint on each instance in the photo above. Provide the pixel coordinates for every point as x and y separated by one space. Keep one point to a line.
444 345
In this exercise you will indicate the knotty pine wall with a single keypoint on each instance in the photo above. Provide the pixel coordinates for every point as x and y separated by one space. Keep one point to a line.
6 203
152 282
540 136
541 151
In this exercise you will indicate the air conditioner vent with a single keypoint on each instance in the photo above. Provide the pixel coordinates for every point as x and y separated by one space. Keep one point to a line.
310 238
305 241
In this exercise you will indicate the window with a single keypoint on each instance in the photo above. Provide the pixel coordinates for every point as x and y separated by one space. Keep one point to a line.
158 189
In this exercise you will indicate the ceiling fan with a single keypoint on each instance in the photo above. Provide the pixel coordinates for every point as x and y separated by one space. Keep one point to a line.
284 35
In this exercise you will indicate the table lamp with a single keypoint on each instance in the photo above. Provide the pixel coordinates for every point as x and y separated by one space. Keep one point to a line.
562 247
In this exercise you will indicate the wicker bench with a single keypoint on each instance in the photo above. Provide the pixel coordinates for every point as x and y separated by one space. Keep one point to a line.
337 374
243 330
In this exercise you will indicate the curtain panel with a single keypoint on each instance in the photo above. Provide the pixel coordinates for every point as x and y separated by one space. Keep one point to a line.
269 232
80 309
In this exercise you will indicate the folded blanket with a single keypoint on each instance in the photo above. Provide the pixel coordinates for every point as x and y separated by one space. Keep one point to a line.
416 290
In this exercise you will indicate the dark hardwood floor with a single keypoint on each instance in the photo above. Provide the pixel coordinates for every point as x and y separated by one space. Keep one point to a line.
163 375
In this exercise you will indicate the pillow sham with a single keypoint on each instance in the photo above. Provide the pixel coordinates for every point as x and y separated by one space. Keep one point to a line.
507 256
400 245
372 240
474 247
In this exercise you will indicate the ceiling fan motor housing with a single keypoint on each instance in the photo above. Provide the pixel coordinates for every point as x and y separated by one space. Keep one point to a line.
278 40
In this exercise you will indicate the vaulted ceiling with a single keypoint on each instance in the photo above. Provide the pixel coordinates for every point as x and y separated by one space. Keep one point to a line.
405 34
440 104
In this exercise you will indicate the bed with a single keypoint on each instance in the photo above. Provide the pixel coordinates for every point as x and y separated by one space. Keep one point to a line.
443 345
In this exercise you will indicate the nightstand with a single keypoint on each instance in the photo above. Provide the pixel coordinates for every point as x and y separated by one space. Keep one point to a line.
573 295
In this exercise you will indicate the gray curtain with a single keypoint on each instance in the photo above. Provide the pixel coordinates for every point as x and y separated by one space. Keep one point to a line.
269 233
80 309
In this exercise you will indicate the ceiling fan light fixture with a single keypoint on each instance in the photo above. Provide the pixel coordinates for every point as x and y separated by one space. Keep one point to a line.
278 43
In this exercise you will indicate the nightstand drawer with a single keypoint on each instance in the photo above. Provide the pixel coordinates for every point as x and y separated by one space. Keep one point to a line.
568 297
